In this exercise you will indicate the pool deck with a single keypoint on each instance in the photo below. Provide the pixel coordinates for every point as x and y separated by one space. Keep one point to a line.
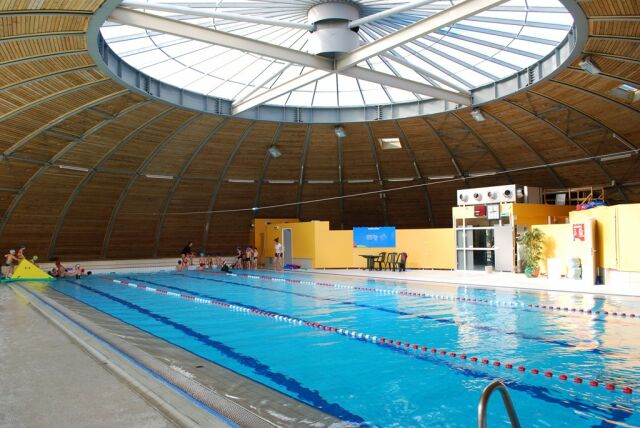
483 279
48 380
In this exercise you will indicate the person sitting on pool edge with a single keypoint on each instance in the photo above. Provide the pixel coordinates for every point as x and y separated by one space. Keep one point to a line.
202 262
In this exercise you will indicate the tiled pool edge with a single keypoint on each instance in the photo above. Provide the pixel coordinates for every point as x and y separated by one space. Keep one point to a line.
170 392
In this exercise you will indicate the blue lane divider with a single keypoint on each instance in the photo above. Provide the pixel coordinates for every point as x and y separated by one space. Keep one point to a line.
521 335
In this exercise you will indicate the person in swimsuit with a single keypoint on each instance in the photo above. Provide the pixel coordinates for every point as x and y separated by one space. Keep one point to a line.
59 270
238 264
254 258
188 251
248 256
20 254
278 251
202 262
7 266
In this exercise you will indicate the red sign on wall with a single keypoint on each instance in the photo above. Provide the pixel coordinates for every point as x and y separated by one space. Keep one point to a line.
578 231
479 210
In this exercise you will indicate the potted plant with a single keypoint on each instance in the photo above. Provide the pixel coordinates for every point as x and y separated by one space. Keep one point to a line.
532 255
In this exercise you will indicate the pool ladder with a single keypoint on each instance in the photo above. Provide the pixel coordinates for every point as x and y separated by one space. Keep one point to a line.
506 399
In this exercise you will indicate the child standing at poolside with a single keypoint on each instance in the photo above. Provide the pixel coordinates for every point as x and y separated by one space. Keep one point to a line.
7 266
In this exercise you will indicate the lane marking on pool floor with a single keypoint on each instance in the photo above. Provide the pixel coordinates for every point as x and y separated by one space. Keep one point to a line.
556 310
411 348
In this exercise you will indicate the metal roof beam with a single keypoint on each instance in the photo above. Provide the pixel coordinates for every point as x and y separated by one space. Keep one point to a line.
445 18
284 88
421 176
210 14
265 166
178 180
374 154
303 160
221 38
389 12
125 193
566 137
216 190
407 85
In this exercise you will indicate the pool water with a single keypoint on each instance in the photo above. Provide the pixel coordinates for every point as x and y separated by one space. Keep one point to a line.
319 339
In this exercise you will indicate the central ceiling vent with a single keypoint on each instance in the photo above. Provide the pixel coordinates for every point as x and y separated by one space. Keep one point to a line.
332 34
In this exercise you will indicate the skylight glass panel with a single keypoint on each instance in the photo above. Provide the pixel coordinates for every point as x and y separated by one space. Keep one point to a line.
300 98
228 90
374 97
400 96
204 84
350 98
346 83
327 84
120 31
164 69
519 60
544 33
495 39
495 69
532 47
129 47
182 77
146 59
471 53
325 99
187 47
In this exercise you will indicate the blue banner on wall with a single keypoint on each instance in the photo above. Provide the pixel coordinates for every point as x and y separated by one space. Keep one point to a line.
374 237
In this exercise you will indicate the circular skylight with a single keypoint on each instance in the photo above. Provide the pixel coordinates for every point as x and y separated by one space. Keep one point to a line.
351 53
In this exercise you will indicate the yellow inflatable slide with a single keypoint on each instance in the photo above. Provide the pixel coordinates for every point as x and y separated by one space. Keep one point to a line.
27 271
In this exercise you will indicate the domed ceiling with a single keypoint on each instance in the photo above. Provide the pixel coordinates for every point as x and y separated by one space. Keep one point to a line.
93 166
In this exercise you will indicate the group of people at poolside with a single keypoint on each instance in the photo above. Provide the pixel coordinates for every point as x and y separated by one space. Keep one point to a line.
13 258
246 258
187 257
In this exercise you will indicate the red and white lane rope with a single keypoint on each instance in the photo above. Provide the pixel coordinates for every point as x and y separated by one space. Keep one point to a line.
377 340
414 293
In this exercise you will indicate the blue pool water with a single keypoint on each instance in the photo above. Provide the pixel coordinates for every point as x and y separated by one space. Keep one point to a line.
365 382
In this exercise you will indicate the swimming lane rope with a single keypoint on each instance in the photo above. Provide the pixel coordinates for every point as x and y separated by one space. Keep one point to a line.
411 348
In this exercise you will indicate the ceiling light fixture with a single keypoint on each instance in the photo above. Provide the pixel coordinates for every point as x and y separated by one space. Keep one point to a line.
159 177
274 152
615 157
477 115
587 65
340 132
74 168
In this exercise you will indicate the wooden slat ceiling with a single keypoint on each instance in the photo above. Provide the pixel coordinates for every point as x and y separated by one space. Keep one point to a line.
57 108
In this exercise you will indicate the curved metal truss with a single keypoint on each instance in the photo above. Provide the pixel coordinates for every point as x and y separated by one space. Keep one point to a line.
251 58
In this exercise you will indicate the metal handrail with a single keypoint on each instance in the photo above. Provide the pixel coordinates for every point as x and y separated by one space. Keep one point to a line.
506 399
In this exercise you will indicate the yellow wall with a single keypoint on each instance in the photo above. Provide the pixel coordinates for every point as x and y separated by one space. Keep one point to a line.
605 232
426 248
556 243
628 237
259 233
302 237
530 214
617 237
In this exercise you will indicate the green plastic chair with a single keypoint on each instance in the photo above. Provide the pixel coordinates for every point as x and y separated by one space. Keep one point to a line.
380 260
391 261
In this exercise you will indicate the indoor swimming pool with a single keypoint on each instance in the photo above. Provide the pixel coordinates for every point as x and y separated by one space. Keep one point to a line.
380 353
